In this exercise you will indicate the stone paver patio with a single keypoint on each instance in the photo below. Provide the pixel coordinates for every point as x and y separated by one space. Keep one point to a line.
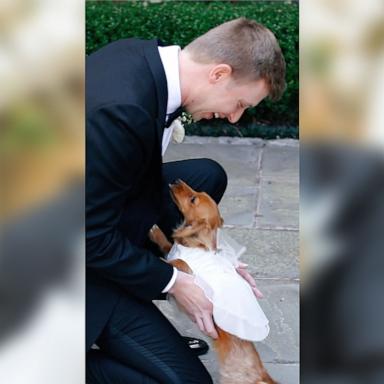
260 210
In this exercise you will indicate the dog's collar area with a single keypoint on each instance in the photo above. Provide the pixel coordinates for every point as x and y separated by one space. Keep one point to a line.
226 247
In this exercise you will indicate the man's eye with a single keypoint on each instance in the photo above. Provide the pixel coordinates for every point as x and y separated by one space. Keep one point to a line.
193 198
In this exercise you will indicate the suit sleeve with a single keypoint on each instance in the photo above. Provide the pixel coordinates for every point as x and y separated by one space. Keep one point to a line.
120 139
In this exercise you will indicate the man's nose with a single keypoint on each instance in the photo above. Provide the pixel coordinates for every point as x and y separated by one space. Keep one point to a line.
235 116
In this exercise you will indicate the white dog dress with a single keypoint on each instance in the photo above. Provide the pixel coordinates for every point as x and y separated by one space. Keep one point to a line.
235 307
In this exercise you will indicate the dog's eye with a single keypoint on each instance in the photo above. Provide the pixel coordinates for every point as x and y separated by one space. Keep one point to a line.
193 198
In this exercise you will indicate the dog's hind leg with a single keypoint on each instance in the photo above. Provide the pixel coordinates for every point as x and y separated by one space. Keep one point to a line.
239 360
181 265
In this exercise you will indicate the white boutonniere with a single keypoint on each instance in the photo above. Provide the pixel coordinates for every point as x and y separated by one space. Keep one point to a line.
178 130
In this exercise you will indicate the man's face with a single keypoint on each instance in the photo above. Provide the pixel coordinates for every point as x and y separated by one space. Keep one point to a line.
227 99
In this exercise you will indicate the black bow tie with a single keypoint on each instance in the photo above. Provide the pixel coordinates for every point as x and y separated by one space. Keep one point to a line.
172 116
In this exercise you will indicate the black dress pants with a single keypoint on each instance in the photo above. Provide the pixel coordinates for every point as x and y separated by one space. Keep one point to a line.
138 344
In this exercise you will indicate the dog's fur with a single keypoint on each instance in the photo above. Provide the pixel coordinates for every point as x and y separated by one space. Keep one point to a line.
239 360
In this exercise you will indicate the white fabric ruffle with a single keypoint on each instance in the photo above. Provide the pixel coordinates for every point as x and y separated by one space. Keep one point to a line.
235 307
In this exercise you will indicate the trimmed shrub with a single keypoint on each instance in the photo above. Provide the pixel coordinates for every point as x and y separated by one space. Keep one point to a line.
180 22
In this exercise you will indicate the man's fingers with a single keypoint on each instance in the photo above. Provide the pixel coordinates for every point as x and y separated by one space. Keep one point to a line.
206 325
200 323
257 293
209 326
250 280
247 276
240 264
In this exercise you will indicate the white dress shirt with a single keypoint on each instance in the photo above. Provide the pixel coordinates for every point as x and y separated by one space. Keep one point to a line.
170 58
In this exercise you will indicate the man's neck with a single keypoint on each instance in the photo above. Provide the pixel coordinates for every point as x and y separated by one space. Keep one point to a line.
191 76
169 58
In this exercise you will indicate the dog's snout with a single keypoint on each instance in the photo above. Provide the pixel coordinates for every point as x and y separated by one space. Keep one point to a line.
176 183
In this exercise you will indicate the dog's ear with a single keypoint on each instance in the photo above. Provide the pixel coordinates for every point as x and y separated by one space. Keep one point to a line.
212 234
216 222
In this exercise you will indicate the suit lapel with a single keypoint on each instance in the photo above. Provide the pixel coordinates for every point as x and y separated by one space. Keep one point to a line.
152 56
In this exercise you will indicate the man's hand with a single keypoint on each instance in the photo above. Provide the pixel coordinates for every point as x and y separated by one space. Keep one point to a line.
242 271
194 302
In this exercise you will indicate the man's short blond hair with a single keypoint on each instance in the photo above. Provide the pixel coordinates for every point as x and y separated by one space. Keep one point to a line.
248 47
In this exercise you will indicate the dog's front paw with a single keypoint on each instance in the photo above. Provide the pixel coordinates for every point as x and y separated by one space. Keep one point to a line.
157 236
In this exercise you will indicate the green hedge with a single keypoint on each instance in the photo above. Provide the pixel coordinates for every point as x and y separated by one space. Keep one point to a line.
179 23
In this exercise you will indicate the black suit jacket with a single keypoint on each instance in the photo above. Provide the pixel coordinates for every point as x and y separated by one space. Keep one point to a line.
126 99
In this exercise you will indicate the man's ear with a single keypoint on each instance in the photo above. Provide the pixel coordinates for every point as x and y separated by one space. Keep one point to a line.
219 72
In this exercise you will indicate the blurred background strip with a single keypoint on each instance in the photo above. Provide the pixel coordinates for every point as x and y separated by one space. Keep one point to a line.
342 191
42 193
42 49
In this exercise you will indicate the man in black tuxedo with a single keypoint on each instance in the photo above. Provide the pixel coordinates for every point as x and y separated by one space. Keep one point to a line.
133 87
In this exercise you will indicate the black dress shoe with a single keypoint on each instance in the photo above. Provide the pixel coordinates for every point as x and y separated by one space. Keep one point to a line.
198 346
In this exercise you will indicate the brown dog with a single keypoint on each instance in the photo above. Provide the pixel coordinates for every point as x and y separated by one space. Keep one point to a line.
239 360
